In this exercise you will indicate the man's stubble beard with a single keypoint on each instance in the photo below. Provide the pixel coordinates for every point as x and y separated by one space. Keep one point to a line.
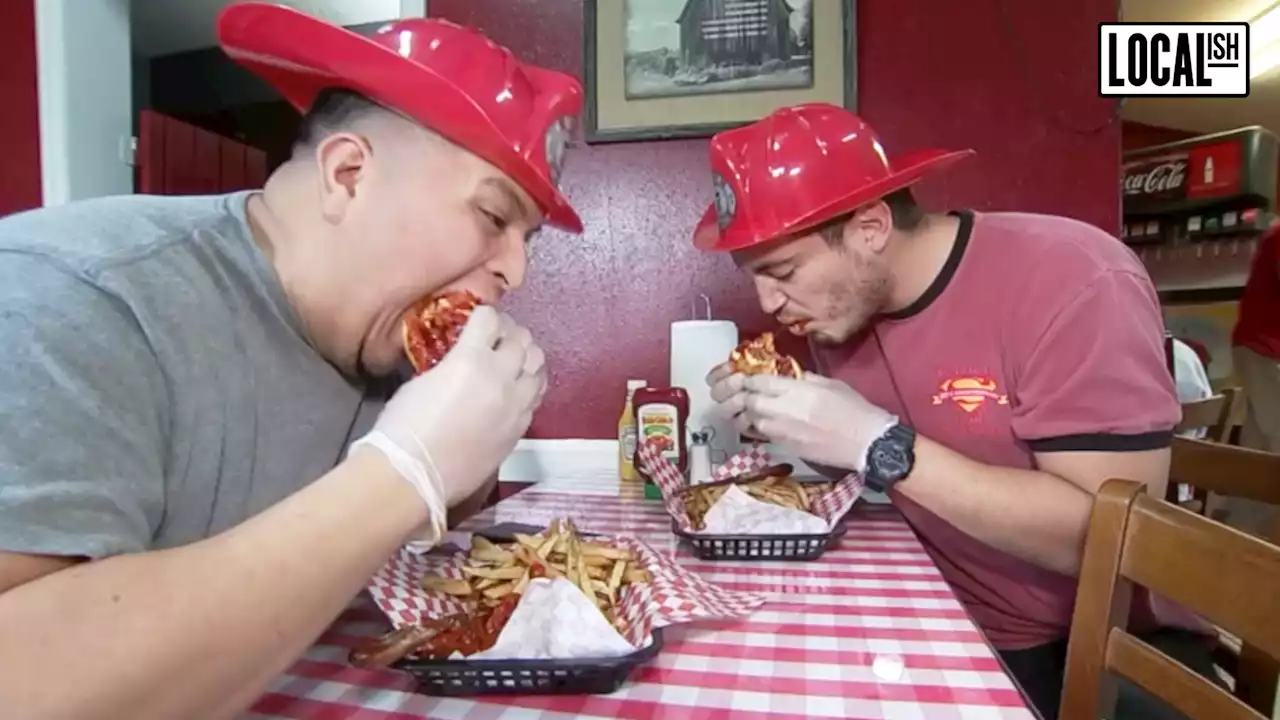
854 300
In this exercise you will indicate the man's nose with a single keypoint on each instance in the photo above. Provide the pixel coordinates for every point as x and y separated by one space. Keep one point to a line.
511 262
771 299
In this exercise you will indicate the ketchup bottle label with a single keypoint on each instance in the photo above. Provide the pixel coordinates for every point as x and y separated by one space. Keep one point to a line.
659 421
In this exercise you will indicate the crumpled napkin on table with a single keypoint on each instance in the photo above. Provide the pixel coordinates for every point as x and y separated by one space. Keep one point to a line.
737 513
554 620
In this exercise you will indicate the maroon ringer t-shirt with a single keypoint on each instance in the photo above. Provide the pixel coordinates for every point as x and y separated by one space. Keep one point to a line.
1040 334
1258 325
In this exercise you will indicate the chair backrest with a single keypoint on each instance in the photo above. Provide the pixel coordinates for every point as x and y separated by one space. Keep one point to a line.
1214 413
1217 572
1226 470
1232 471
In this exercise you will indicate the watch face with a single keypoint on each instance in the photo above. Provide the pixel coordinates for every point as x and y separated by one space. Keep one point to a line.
889 460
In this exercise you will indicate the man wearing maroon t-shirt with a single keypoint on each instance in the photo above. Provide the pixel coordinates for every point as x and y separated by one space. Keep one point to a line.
989 371
1256 357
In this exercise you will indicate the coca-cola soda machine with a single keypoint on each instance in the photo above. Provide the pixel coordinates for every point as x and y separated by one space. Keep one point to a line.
1194 208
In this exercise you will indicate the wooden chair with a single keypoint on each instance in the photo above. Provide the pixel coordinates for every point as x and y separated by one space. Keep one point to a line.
1237 472
1226 470
1221 574
1219 415
1216 414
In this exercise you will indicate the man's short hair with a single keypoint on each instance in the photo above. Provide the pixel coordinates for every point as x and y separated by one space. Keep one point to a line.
334 110
905 213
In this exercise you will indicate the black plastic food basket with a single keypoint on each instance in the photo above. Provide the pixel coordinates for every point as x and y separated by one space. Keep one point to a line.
760 547
526 677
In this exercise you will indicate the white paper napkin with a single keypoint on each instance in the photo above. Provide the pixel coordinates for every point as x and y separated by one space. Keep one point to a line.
737 513
554 620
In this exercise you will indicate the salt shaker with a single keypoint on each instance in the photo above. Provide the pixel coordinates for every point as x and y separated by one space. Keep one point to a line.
699 457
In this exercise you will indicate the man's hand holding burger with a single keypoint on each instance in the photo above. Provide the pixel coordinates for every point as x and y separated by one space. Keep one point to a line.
814 417
448 429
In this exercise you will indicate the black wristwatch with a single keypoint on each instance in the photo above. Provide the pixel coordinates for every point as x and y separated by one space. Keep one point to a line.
890 458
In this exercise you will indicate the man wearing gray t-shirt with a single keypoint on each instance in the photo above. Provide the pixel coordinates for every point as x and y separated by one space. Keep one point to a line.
197 472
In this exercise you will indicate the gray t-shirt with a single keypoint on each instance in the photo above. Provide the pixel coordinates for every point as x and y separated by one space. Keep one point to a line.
157 386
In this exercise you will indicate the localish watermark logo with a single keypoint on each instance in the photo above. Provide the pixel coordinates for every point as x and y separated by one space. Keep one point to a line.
1173 59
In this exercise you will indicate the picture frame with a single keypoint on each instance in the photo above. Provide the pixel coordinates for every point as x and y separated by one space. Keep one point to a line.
1211 325
697 74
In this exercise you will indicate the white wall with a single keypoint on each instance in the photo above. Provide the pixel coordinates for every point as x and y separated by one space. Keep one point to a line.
161 27
86 105
83 59
355 12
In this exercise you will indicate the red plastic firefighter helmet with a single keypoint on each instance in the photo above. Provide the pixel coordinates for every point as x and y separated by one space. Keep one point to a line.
798 168
449 78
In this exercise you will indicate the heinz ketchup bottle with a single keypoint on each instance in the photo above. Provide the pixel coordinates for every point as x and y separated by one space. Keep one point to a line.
661 414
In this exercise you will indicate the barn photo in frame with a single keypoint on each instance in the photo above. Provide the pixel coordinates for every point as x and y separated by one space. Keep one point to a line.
658 69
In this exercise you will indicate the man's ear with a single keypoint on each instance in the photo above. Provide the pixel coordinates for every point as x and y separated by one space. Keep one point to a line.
870 227
343 161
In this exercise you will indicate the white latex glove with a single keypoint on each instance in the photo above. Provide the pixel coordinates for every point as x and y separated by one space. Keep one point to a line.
447 430
817 418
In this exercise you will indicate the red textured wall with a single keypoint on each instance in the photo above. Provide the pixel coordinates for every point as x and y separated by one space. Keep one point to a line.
1014 80
20 120
1136 135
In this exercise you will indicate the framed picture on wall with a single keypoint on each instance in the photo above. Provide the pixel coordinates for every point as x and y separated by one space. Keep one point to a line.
663 69
1208 325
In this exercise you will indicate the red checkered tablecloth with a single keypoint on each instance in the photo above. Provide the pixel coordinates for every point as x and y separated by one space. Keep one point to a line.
868 631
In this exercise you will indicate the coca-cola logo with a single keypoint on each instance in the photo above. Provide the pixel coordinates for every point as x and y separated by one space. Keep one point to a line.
1155 179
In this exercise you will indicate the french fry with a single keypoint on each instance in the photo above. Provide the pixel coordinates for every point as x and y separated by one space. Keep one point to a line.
570 562
484 551
529 541
525 556
584 580
499 591
524 581
491 557
786 497
547 546
510 572
590 549
449 586
599 587
801 498
635 575
615 577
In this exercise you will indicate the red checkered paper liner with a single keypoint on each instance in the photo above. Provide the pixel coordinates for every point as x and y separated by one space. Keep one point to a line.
753 459
674 596
830 506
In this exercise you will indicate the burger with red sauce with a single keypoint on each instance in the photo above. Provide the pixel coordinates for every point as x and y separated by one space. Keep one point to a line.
432 327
